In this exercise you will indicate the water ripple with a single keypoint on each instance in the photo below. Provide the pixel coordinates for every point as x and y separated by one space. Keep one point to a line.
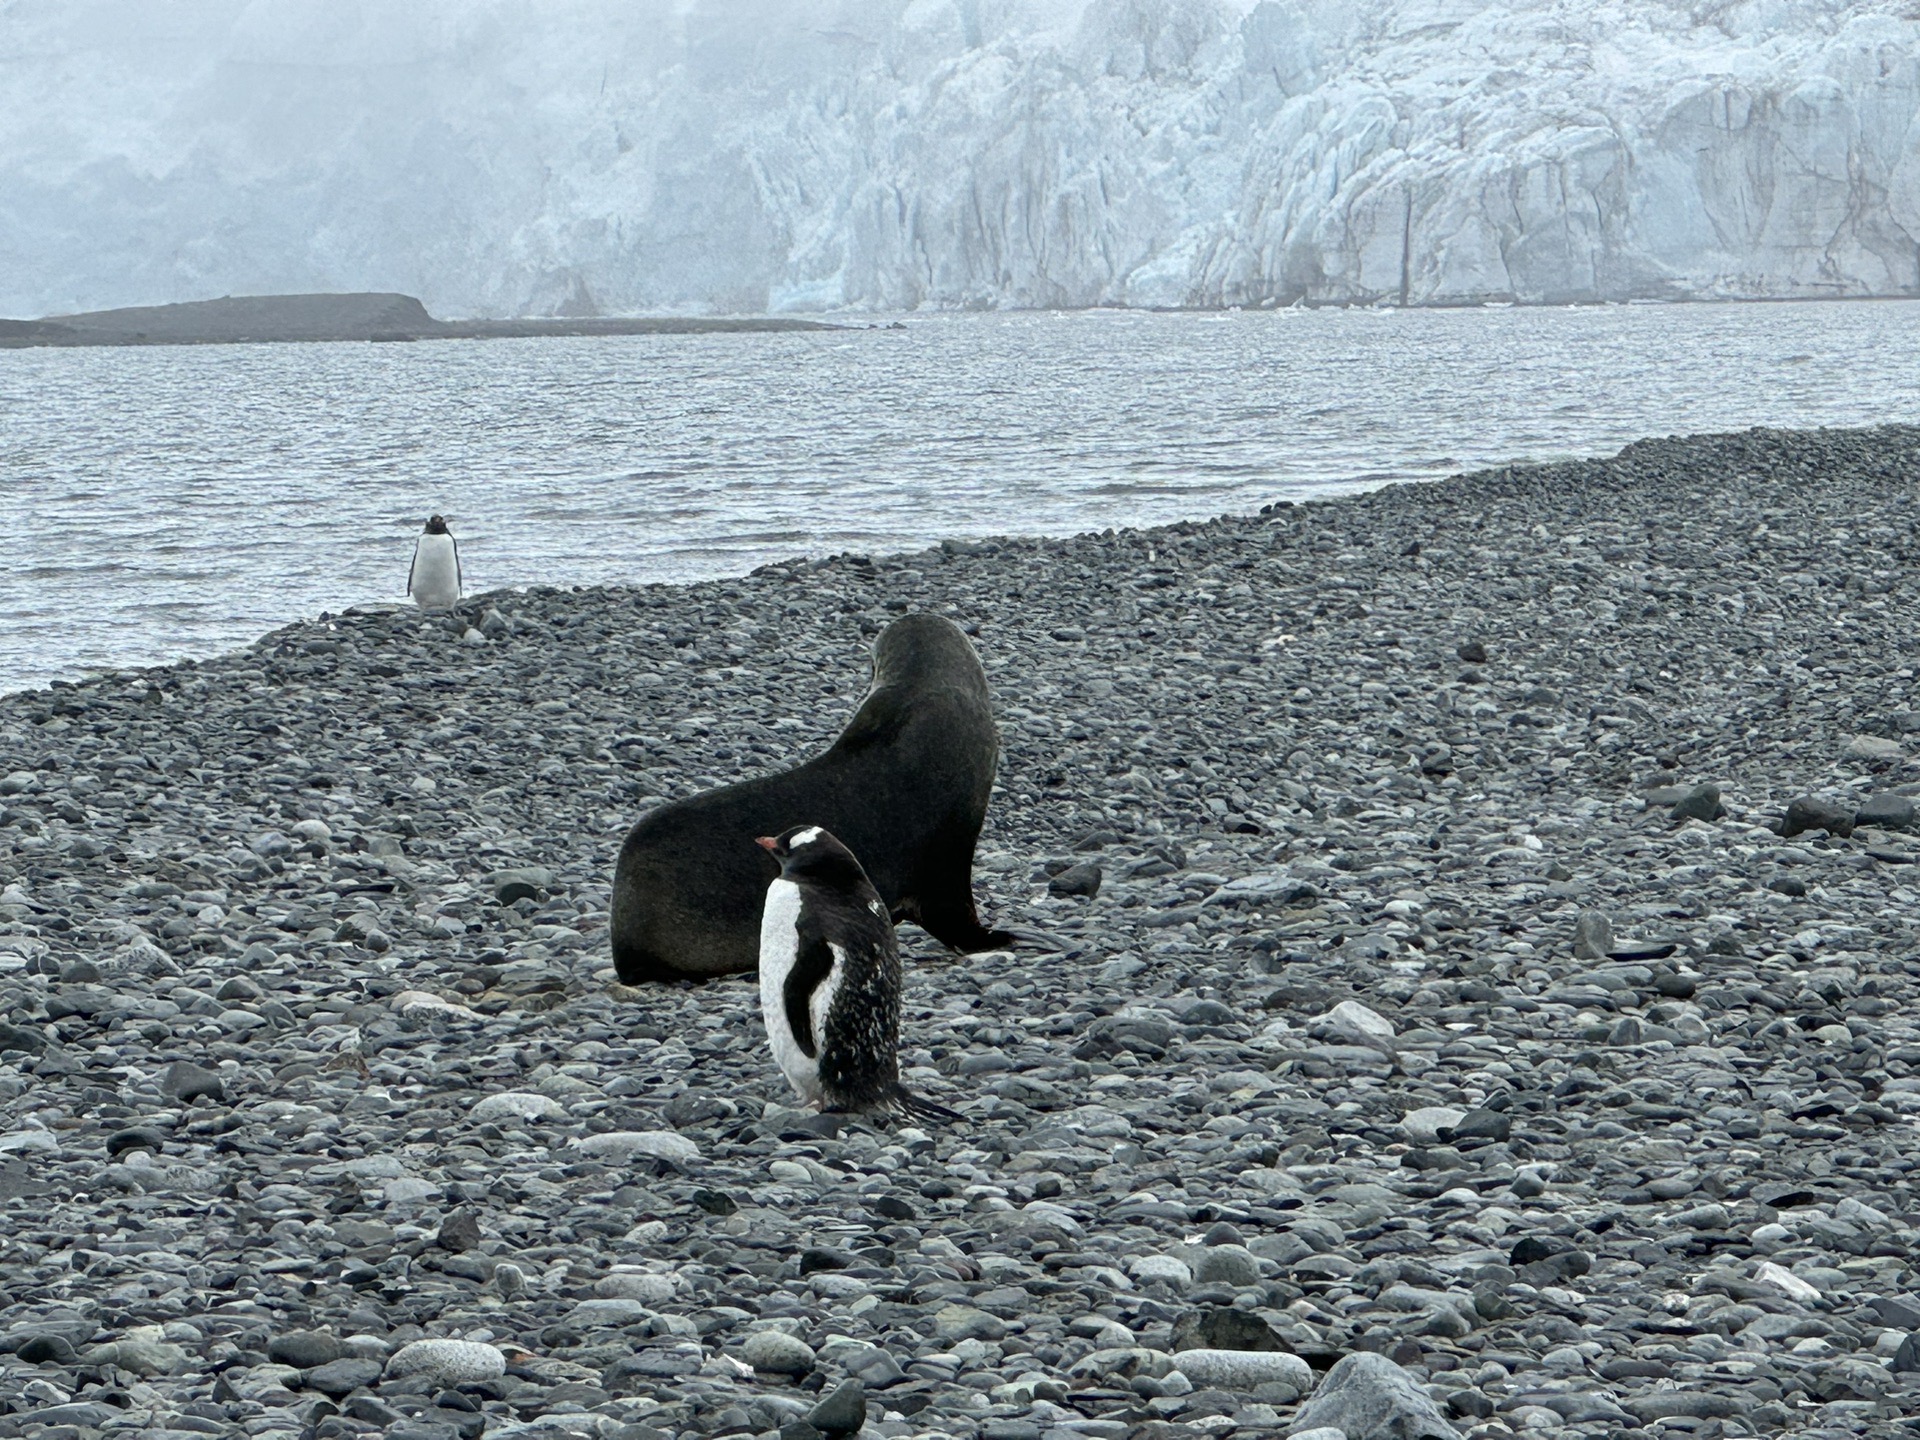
173 502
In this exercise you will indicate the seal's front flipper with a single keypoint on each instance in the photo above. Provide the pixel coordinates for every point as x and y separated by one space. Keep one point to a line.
953 922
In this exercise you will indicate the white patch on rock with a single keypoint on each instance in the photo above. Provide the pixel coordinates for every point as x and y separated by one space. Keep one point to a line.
1352 1018
1872 747
625 1144
517 1105
1171 1269
1423 1126
649 1289
778 1354
1244 1369
449 1362
409 1190
423 1002
1785 1281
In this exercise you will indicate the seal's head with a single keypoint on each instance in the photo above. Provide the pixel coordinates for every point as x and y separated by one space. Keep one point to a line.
921 647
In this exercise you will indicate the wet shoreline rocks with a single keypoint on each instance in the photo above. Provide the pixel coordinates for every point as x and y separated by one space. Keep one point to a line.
1416 999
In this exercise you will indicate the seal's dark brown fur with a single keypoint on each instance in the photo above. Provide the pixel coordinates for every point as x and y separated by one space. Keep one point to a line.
905 787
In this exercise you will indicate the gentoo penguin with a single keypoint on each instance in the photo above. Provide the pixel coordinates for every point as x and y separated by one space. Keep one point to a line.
830 979
433 580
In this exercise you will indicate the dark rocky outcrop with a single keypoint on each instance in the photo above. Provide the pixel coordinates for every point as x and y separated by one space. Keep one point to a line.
248 319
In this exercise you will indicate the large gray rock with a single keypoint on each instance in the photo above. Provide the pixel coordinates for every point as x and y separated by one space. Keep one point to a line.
963 1322
511 1105
1222 1327
843 1411
1702 802
304 1349
1368 1397
449 1362
1811 813
1227 1265
1082 880
1423 1125
143 1357
184 1081
343 1376
1592 936
1693 1404
1874 749
1890 812
777 1353
625 1145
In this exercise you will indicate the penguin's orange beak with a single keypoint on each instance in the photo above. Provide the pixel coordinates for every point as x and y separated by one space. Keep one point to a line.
766 842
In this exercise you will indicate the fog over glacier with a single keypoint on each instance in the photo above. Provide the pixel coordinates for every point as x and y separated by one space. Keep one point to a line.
750 155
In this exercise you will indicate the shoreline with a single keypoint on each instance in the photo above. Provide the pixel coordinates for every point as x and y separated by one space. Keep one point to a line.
1471 481
1498 304
1425 1001
71 332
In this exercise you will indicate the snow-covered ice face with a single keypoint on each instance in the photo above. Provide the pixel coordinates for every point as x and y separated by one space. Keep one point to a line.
1397 164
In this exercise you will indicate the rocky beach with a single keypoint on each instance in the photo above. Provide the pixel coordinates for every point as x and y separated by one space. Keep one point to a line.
1484 1001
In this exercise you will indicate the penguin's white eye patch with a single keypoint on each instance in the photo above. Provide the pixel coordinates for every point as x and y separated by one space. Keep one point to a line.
877 908
805 837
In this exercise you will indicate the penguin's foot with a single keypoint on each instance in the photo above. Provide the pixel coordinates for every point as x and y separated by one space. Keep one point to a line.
1033 940
987 940
899 1102
918 1107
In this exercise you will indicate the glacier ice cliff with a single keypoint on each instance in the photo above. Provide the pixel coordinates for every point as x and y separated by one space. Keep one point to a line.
618 156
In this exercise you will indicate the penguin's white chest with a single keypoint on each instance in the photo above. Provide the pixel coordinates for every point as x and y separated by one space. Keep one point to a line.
779 948
435 584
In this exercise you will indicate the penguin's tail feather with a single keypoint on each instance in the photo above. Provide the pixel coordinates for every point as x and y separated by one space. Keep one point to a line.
921 1108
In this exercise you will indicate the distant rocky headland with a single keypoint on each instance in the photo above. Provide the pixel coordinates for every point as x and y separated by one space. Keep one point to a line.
253 318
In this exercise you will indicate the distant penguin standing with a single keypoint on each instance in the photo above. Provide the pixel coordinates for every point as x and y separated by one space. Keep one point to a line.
830 979
433 580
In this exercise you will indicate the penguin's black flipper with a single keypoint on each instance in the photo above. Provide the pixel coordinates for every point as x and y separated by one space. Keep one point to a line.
812 964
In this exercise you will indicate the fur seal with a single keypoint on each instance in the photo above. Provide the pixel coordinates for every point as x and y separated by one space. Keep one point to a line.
433 580
830 980
905 789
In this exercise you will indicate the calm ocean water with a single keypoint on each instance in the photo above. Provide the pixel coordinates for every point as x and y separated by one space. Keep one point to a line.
173 502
